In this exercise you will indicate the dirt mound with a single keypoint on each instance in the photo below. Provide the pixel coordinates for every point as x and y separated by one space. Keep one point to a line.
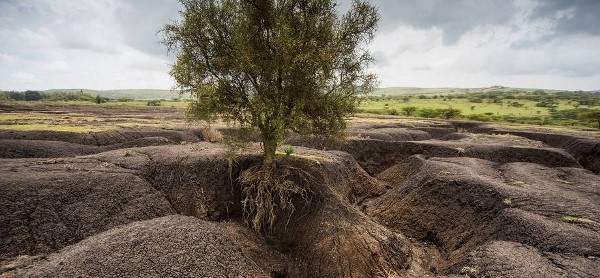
392 134
458 204
585 150
49 204
510 259
105 138
10 148
322 241
122 136
63 136
173 246
330 237
375 155
481 205
197 180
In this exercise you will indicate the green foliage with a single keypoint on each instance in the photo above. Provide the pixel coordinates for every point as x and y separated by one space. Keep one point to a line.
124 99
546 103
469 271
592 116
154 103
507 202
480 117
273 64
575 219
288 150
98 99
32 95
429 113
450 113
409 110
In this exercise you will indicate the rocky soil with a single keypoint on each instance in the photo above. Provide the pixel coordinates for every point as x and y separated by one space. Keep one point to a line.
437 199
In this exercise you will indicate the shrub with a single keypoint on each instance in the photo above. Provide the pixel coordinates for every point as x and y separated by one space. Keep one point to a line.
210 134
409 110
153 103
288 150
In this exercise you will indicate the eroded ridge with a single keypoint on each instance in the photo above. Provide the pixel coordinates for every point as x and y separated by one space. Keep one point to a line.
419 200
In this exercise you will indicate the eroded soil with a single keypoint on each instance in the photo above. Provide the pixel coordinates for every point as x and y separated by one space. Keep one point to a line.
398 199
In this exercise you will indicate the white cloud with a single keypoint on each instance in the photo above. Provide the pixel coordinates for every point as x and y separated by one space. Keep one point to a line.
109 44
23 77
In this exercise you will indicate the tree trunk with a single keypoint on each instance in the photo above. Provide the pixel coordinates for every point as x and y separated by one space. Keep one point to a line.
269 146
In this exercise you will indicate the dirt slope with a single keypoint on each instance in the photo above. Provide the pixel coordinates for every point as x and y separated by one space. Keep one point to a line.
396 200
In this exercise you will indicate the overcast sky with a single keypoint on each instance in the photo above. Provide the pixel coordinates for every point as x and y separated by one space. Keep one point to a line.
112 44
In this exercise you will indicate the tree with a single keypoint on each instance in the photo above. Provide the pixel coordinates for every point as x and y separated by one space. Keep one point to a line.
98 99
273 65
450 113
32 95
593 115
409 110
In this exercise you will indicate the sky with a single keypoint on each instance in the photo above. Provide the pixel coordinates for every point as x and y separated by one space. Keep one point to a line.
114 44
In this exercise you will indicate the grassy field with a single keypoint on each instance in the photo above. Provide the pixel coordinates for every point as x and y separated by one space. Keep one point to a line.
138 94
493 104
404 91
82 116
467 107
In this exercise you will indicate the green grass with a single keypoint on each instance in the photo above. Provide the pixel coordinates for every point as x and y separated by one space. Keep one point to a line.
413 91
527 110
575 219
50 127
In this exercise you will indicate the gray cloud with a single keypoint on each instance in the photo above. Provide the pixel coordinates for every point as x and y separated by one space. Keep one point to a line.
143 19
454 18
571 17
114 43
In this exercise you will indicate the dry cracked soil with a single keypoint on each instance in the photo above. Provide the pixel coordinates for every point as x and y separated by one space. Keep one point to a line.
429 199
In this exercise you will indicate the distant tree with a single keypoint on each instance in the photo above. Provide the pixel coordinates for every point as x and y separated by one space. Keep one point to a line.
593 115
515 104
429 113
273 65
475 100
406 98
450 113
99 100
153 103
32 95
409 110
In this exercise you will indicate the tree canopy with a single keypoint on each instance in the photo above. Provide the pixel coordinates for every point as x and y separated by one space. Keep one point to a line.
273 65
592 115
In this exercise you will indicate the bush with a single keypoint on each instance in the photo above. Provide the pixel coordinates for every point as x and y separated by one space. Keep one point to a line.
288 150
409 110
153 103
429 113
480 117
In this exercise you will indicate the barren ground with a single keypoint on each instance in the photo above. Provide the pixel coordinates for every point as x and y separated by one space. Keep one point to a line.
144 194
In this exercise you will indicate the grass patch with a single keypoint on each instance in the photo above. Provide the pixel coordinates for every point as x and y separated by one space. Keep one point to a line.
50 127
469 271
575 219
507 202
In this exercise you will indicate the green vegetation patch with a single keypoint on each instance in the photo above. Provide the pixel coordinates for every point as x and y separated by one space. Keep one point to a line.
575 219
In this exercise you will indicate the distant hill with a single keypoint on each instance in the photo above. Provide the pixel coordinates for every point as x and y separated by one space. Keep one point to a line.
400 91
140 94
145 94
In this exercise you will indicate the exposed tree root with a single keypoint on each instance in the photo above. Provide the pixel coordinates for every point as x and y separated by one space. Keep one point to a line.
268 193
